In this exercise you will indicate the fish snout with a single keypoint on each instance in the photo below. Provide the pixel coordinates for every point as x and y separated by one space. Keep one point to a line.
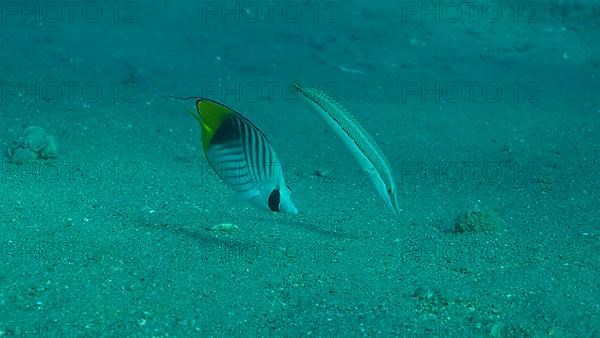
288 207
285 203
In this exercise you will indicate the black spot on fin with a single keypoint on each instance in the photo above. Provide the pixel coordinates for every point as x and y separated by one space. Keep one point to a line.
274 199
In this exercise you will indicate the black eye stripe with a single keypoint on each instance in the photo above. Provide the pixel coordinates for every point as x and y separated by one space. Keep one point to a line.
274 199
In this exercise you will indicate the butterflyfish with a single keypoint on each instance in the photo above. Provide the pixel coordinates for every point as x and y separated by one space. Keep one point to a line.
242 156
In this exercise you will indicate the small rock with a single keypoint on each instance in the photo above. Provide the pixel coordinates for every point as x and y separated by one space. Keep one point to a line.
50 150
224 228
22 155
35 138
35 143
476 221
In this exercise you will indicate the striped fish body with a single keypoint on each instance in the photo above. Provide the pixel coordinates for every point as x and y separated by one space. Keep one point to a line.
242 156
361 145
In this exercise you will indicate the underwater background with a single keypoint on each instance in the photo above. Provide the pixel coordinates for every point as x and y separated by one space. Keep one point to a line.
112 223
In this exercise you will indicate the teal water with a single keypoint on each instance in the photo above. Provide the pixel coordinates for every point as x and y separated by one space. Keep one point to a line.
487 111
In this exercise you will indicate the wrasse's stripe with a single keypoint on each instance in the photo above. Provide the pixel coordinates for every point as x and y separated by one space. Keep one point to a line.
361 145
352 128
241 154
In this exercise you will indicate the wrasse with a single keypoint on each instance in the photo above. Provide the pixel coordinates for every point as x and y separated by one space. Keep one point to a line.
242 156
360 144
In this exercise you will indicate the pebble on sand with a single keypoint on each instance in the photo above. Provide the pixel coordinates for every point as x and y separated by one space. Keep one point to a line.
35 143
476 221
224 228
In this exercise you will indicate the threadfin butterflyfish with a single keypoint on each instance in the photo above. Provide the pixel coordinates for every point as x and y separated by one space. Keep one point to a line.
242 156
356 139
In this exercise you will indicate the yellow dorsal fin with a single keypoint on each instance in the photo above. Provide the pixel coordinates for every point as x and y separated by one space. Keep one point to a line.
210 115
